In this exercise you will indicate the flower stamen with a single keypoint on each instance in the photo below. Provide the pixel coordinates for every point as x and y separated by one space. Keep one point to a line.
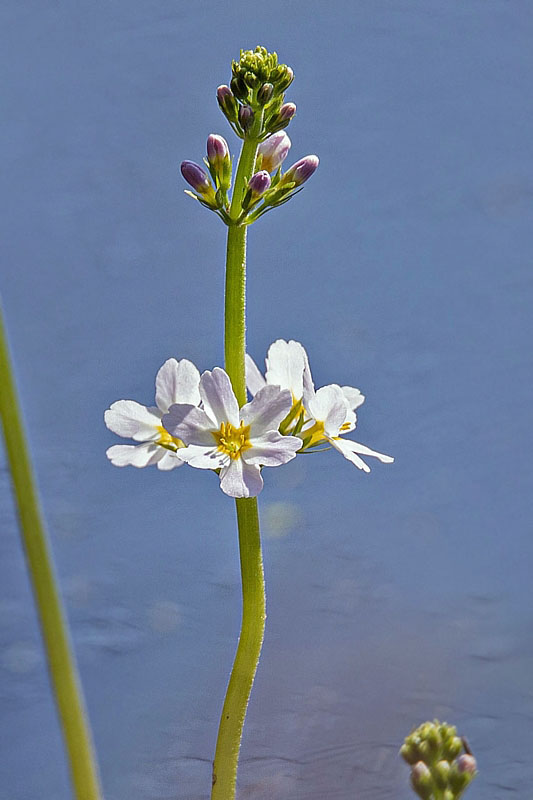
167 441
232 441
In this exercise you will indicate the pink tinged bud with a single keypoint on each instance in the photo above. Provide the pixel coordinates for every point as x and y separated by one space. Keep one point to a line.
466 763
224 94
287 111
217 149
274 151
302 170
259 183
195 176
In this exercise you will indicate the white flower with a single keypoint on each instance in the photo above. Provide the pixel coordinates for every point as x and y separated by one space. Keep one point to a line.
176 382
236 441
317 417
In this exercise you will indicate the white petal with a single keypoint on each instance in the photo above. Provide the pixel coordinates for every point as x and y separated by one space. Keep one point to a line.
218 397
140 455
329 406
254 379
350 449
285 366
353 397
238 479
177 382
203 457
272 449
190 424
169 461
134 421
266 410
308 385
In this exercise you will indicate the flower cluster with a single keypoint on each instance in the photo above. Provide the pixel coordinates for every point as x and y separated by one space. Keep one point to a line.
197 420
257 89
317 417
254 106
211 185
439 768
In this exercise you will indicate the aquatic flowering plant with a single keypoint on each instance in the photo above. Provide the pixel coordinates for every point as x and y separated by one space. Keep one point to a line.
232 422
236 421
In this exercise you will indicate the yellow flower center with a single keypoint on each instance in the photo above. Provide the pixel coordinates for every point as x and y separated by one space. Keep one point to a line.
168 441
314 434
232 441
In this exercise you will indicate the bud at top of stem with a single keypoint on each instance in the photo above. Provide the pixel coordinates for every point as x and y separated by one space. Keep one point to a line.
466 763
258 78
272 152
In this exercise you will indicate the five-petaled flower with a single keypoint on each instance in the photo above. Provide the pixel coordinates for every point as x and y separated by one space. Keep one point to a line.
238 442
317 417
176 382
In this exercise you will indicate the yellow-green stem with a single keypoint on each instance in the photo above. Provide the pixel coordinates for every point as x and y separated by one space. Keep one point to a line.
253 583
248 651
61 663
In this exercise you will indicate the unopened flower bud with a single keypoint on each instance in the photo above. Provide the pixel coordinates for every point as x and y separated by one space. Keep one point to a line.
252 80
265 93
441 771
421 780
227 102
466 763
239 88
301 171
246 117
259 183
452 748
285 81
195 176
217 149
273 151
463 771
287 111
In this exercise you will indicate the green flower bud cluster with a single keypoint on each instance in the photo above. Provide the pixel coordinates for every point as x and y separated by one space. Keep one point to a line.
442 765
253 102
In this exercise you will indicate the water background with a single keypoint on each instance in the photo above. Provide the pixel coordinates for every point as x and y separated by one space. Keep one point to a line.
405 269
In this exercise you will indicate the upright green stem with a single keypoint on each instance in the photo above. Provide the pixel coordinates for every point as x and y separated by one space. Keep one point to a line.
253 583
61 663
248 651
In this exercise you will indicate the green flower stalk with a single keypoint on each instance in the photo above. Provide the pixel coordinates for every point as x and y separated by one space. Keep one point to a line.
60 658
206 421
439 768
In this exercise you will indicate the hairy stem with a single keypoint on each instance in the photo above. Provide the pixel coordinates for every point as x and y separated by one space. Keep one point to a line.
61 663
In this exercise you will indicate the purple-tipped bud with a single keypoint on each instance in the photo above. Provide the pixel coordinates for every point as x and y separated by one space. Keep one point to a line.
302 170
217 149
224 94
195 176
466 763
227 102
246 117
259 183
287 111
274 150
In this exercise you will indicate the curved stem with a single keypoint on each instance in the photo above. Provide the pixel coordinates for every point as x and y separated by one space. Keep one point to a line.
61 662
248 651
226 759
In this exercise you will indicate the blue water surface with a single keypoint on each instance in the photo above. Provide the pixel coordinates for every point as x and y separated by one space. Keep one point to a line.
405 269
